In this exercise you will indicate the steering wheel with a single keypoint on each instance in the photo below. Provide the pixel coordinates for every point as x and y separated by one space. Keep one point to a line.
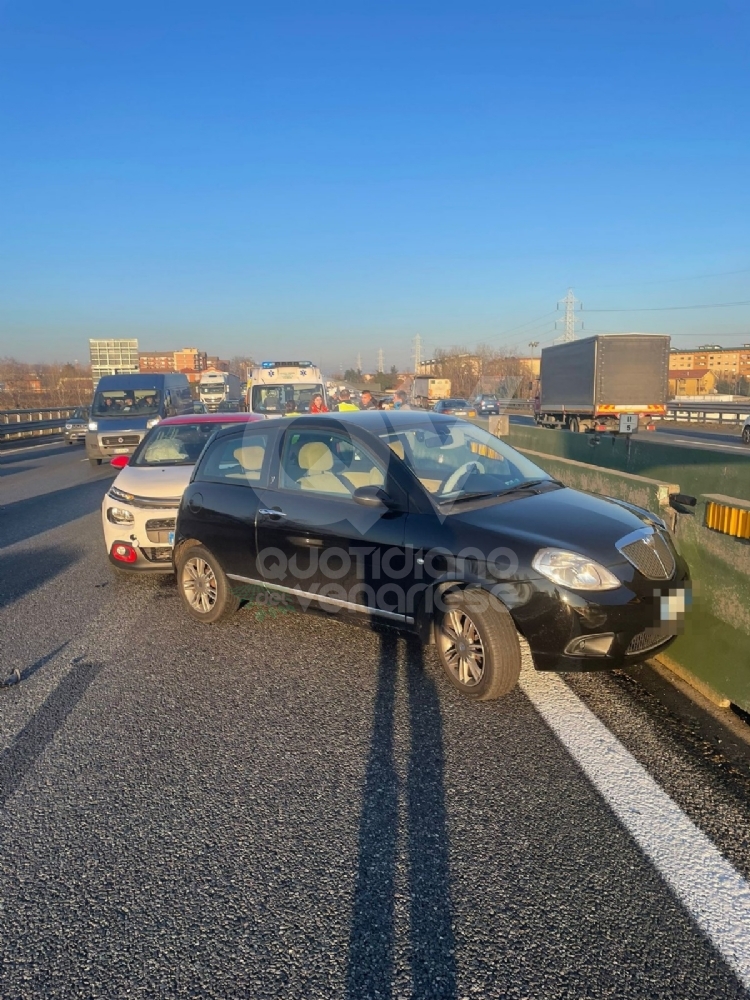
452 481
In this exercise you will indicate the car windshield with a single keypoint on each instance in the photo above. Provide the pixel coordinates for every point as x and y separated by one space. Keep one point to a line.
81 413
174 444
455 459
286 397
117 402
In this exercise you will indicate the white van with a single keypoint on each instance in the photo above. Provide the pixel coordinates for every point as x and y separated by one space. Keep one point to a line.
279 388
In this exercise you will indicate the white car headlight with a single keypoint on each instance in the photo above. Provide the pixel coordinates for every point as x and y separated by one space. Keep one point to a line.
118 515
68 427
93 425
577 572
152 423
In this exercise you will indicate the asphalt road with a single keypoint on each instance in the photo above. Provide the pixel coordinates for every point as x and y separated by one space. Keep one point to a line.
283 806
680 435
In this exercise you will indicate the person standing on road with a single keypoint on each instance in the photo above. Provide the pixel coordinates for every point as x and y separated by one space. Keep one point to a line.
368 403
345 402
400 402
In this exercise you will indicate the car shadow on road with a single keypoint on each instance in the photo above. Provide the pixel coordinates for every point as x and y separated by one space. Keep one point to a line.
372 936
19 758
22 572
25 518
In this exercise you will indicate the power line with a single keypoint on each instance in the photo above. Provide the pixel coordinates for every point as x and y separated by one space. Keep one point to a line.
703 305
522 325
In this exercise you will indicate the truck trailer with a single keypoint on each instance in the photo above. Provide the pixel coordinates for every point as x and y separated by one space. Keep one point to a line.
587 384
427 391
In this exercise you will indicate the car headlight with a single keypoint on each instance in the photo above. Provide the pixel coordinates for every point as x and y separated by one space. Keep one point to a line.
152 423
118 515
577 572
93 425
68 427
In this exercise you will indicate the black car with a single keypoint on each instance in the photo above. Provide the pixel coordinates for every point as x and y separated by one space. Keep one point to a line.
432 525
455 407
486 405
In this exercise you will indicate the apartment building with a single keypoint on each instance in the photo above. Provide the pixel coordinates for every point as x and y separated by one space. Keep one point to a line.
726 362
113 357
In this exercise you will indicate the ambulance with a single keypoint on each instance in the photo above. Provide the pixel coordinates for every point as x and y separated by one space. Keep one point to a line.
284 388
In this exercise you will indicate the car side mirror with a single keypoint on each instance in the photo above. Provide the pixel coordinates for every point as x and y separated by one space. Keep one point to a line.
372 496
119 461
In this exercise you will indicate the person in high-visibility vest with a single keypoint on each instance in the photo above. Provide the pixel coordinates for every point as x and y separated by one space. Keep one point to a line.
345 402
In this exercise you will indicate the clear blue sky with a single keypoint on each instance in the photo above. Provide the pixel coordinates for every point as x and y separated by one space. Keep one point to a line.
317 178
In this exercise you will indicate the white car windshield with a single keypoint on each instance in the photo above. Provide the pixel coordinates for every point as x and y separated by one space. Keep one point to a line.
174 444
453 459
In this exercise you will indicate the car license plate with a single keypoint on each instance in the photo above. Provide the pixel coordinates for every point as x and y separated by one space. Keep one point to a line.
672 606
121 451
170 537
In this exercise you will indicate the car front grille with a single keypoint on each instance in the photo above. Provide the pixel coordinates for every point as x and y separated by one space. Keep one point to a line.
650 638
651 555
113 441
158 529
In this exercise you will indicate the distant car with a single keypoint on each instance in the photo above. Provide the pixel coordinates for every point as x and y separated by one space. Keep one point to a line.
199 407
455 408
139 510
228 406
76 425
486 404
746 431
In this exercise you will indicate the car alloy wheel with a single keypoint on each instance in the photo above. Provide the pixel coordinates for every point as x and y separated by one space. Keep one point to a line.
462 648
199 585
746 435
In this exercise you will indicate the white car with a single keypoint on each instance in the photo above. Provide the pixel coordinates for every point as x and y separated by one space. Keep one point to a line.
140 508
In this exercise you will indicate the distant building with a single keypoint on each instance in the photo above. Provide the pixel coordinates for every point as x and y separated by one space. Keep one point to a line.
728 363
217 364
691 382
190 360
113 357
532 366
157 361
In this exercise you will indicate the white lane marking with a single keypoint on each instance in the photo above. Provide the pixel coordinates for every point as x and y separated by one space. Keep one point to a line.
716 895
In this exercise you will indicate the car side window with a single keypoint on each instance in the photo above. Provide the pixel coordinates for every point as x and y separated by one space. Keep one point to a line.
240 460
327 462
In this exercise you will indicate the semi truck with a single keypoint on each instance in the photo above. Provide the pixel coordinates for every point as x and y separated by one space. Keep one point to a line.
587 384
427 391
219 387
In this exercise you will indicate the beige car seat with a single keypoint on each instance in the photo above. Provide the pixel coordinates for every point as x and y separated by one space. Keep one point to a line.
250 459
316 459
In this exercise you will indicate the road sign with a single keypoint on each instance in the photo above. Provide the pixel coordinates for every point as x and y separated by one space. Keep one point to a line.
628 423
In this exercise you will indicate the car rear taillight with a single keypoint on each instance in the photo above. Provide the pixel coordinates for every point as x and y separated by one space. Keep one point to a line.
123 552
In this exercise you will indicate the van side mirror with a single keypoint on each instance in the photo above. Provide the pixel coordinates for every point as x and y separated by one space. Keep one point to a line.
119 461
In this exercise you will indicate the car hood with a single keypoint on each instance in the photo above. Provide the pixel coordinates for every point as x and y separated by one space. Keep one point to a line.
562 518
167 481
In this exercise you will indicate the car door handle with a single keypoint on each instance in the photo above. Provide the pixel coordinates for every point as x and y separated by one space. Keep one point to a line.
314 543
271 513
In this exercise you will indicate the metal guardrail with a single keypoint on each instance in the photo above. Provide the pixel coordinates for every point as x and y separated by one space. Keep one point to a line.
18 424
700 413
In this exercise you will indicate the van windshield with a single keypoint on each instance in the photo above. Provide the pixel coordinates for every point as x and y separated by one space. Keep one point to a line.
122 402
284 397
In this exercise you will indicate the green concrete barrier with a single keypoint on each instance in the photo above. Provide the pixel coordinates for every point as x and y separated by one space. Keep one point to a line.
713 654
697 470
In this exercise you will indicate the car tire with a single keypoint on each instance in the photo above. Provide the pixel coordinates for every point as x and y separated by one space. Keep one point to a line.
203 585
485 625
746 435
93 462
574 425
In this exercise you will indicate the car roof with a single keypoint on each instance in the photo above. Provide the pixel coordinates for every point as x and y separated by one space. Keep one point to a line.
211 418
375 421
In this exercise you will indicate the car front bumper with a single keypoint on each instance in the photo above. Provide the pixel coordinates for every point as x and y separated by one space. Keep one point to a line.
148 536
641 625
107 444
